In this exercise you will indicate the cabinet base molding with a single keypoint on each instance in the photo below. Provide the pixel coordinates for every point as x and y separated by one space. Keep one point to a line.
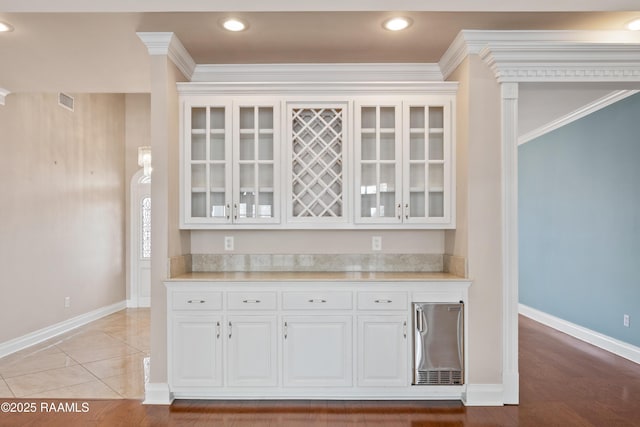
326 393
483 395
157 394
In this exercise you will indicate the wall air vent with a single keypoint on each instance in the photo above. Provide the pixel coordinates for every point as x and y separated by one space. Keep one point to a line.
65 101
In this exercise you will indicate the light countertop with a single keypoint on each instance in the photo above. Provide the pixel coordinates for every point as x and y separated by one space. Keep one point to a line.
320 276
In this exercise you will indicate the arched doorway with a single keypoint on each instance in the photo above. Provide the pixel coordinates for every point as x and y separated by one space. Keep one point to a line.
140 241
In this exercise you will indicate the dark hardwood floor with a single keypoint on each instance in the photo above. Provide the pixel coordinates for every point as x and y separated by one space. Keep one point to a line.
563 382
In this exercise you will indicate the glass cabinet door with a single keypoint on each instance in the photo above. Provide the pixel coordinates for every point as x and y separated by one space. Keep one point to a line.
207 153
255 192
426 193
378 160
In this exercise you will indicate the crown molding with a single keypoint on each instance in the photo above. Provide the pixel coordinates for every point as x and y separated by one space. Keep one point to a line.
550 56
170 45
368 72
317 88
3 94
590 108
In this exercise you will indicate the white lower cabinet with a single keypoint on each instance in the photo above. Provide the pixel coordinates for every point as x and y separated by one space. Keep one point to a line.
252 351
196 351
382 351
317 351
300 340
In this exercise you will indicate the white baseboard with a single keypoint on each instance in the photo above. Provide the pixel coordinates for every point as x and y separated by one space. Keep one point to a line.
605 342
483 395
44 334
511 384
157 394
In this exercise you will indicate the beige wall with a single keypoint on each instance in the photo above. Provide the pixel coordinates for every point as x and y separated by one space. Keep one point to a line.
318 242
63 209
479 226
137 134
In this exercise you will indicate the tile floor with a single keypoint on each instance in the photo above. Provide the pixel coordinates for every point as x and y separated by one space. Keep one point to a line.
100 360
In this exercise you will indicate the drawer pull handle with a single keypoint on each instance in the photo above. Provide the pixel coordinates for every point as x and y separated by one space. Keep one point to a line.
217 329
383 301
285 330
230 330
196 301
251 301
321 301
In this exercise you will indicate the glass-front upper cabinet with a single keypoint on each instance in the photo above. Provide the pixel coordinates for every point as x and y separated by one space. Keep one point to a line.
255 185
428 190
229 163
378 153
403 168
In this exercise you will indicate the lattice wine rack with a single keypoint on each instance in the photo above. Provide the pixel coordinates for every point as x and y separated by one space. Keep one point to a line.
317 151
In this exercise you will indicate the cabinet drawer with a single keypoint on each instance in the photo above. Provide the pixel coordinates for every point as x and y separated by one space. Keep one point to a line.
322 300
252 300
382 301
197 300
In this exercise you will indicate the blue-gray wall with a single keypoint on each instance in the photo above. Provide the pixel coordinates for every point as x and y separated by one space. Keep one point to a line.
579 214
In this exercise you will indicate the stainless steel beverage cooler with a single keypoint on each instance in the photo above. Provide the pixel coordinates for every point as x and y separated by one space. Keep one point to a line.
438 343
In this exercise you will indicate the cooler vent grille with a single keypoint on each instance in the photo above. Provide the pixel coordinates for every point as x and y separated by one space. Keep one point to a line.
435 377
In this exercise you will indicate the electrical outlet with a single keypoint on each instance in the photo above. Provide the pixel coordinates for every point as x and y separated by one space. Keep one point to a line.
625 320
228 243
67 302
376 243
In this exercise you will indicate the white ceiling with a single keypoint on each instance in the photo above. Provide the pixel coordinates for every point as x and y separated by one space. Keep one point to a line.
100 52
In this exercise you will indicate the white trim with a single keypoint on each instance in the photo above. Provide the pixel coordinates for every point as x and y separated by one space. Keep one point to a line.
3 94
317 88
157 394
483 395
44 334
509 256
581 112
535 56
620 348
366 72
169 44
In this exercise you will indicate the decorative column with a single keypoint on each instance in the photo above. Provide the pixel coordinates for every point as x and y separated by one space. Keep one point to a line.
509 120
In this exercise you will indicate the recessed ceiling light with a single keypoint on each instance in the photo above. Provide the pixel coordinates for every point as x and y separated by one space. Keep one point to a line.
5 28
634 25
233 24
397 24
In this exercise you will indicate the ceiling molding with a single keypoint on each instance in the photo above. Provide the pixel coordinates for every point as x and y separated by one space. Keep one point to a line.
550 56
407 72
590 108
169 44
318 88
3 94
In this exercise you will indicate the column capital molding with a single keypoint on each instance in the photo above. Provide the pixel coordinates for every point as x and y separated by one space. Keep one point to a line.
169 44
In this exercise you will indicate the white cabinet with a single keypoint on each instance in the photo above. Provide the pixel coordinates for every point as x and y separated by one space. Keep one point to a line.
382 351
298 340
230 158
353 158
252 351
404 161
317 351
196 351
